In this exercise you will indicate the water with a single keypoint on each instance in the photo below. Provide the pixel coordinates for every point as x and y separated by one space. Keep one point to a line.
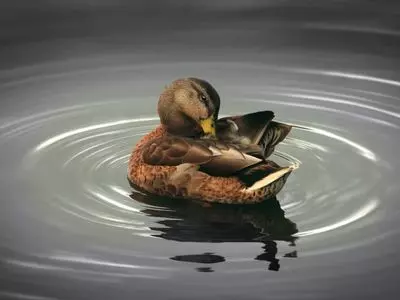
73 228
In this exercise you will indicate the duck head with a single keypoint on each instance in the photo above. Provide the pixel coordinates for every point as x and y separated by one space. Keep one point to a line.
189 107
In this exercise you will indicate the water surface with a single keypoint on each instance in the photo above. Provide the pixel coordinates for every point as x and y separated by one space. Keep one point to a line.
73 228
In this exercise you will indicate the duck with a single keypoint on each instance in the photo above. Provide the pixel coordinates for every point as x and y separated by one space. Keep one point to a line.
195 155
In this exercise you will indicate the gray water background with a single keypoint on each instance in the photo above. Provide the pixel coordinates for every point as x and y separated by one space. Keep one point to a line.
79 83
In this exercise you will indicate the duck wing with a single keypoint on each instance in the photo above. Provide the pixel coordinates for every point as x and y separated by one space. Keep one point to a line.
256 129
213 157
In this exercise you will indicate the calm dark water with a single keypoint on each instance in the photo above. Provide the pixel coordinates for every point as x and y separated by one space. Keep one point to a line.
77 96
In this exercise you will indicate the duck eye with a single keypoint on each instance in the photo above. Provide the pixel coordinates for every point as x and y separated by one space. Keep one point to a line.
202 97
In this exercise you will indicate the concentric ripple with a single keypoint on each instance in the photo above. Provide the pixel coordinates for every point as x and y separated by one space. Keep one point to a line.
73 213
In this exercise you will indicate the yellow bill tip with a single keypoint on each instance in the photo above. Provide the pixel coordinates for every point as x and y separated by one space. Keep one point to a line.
208 126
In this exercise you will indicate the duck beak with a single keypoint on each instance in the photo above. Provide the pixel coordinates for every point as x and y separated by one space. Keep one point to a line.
208 126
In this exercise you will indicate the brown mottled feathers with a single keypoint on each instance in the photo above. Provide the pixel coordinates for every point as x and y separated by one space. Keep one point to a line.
185 180
214 158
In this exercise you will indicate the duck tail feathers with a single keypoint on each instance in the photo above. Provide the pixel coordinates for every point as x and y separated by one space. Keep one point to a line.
274 134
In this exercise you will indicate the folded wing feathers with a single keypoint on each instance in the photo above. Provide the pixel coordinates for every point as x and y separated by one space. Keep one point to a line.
270 178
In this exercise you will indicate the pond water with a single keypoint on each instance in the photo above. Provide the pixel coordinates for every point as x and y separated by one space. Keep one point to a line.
71 227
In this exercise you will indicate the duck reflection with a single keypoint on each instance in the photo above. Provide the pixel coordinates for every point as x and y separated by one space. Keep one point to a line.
205 258
189 221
